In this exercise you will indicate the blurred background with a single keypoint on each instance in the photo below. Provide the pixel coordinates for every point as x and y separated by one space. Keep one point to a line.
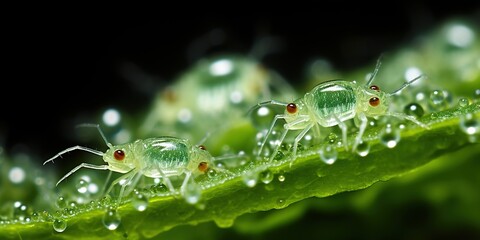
64 68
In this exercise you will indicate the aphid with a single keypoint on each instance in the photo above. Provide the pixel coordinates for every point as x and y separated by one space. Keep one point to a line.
161 157
213 90
332 103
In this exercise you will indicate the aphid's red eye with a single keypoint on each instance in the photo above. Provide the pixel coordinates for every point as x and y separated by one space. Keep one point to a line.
119 155
202 147
375 87
374 101
291 108
203 166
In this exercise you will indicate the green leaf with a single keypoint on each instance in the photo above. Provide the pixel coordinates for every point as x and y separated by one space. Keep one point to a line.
308 177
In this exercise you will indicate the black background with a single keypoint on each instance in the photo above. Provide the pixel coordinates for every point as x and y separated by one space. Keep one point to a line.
58 66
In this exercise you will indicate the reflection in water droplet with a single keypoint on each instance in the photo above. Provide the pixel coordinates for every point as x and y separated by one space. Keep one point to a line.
363 148
389 136
469 124
328 154
140 202
192 193
266 176
111 220
59 225
61 202
414 109
250 178
82 186
463 102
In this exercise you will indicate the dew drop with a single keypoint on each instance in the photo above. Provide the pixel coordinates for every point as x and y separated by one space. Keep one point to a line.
192 193
414 109
140 202
476 94
250 178
266 176
332 138
61 202
463 102
262 117
82 186
224 223
111 220
389 136
439 99
281 203
281 178
59 225
363 148
469 124
211 173
328 154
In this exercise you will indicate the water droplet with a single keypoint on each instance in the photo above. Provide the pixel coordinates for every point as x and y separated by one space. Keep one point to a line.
389 136
320 172
332 138
262 117
281 203
111 220
211 173
414 109
328 154
59 225
192 193
463 102
250 178
82 186
224 223
140 202
469 124
281 178
279 155
363 148
61 202
266 176
440 99
476 94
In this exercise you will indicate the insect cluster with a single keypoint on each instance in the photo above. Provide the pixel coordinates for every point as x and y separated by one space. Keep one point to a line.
216 92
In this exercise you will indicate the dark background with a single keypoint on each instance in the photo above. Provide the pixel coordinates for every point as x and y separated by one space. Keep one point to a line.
59 66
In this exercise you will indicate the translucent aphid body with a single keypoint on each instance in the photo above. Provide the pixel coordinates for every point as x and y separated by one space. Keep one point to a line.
215 91
161 157
332 103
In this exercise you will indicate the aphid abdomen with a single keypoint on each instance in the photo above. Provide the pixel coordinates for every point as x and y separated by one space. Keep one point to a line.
170 155
331 102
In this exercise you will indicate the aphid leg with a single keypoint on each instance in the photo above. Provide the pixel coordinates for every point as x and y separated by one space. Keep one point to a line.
128 176
96 152
279 116
298 138
83 165
166 180
278 143
130 181
410 118
104 188
343 127
185 182
361 129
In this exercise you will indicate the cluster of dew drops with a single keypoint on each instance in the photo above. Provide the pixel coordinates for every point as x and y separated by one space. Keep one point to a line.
86 190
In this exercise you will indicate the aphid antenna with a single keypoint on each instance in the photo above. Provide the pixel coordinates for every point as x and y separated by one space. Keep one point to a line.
406 84
99 130
266 103
375 71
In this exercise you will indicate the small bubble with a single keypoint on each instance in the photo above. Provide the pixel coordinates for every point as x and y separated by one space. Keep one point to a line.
438 99
59 225
414 109
211 173
328 154
463 102
281 178
250 178
140 202
111 220
266 176
82 186
281 203
61 202
469 124
192 193
389 136
363 148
